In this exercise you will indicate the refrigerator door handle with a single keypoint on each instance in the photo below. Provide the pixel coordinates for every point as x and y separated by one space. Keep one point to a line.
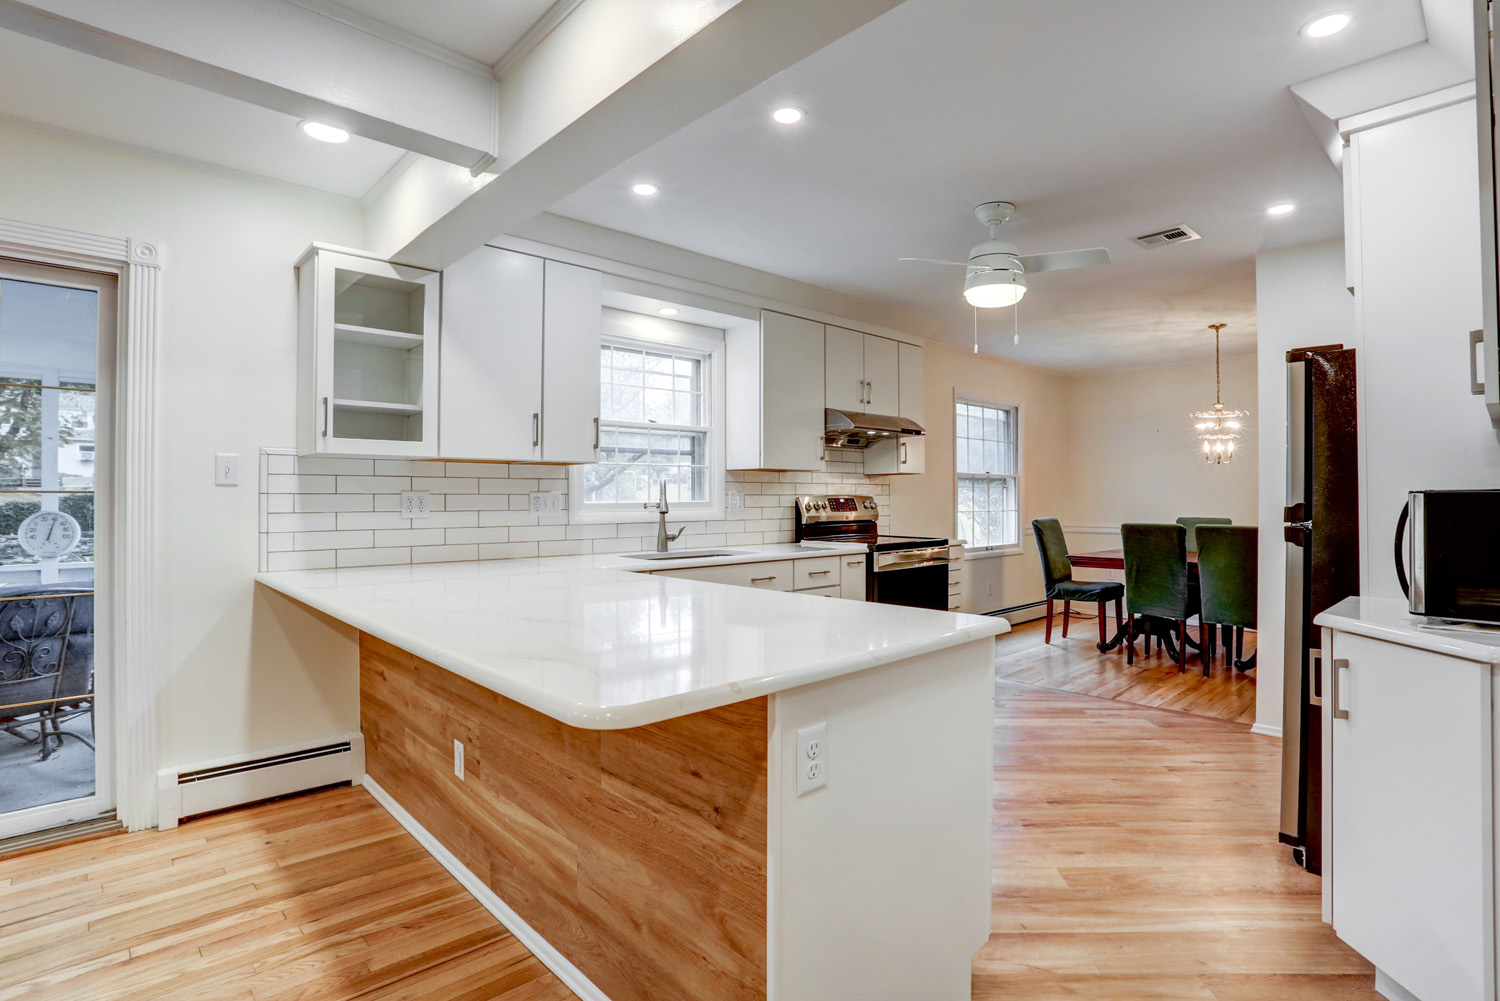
1315 677
1296 534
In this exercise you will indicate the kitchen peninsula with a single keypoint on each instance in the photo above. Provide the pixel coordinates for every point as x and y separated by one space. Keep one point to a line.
679 788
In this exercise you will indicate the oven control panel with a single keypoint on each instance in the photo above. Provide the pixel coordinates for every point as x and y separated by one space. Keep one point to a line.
837 507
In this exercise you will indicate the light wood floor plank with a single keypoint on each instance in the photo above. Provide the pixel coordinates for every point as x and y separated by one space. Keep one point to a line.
1135 859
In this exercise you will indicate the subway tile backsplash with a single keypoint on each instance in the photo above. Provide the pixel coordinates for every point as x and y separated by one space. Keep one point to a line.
318 512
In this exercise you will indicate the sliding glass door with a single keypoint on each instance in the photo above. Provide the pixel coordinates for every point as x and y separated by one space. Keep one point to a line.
57 331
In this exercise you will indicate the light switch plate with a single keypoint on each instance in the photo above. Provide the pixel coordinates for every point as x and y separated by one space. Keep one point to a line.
812 758
736 500
226 469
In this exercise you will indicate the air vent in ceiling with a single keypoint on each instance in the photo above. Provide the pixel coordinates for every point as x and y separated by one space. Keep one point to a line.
1177 234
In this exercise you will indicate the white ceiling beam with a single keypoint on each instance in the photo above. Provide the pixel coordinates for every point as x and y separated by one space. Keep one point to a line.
614 79
287 58
1418 69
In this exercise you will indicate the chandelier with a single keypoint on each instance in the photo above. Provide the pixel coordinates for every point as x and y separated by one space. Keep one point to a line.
1219 429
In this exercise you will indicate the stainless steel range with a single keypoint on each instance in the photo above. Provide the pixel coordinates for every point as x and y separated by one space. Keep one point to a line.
900 570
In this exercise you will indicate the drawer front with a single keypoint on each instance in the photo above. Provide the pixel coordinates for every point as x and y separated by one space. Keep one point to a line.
820 572
775 575
852 577
824 592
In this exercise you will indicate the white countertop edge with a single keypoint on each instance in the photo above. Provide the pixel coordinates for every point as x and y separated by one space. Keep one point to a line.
1390 620
592 717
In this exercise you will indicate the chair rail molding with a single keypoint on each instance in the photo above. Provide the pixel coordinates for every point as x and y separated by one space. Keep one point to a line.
132 622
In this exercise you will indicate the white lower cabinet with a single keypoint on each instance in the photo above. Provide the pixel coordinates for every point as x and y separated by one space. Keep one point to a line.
1409 813
826 576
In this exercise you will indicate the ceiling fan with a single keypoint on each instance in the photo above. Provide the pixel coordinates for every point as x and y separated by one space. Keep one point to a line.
997 271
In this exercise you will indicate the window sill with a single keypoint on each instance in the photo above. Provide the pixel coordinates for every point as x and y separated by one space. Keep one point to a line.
638 516
985 554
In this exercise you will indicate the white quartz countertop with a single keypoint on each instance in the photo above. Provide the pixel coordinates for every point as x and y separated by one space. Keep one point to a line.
595 643
1389 619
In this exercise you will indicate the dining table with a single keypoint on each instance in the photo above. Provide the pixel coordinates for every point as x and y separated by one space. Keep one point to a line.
1145 625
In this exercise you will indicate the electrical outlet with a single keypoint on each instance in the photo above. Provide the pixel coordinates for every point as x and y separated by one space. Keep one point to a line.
414 504
736 500
812 758
226 469
458 759
549 502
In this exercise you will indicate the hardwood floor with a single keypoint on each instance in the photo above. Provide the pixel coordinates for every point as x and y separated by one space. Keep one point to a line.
1075 665
319 898
1135 859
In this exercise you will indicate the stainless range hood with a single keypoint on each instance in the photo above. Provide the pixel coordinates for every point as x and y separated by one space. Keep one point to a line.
845 429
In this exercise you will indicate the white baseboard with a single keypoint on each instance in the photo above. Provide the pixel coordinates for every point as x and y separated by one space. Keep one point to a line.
1267 731
527 935
1388 988
281 771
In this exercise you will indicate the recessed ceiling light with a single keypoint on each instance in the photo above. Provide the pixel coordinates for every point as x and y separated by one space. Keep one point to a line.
667 311
325 133
788 115
1327 24
1281 208
645 190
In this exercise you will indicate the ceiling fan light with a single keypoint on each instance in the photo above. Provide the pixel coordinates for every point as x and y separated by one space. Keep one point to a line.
993 289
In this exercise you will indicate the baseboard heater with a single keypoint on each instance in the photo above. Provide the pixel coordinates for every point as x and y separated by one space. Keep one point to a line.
228 782
1013 609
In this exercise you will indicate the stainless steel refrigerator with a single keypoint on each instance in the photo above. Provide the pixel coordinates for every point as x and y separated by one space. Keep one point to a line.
1322 569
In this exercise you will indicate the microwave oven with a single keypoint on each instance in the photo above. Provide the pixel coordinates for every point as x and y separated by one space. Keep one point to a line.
1449 561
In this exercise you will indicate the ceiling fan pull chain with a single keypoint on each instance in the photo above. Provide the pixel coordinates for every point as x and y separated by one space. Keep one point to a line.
976 329
1016 312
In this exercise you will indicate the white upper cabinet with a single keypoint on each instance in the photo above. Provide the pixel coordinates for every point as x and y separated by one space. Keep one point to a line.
862 371
571 319
520 374
774 384
882 379
844 375
492 356
907 454
367 380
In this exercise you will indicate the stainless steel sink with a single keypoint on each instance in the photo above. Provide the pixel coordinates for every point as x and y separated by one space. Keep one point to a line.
687 554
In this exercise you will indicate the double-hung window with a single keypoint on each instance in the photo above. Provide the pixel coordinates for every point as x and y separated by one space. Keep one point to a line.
655 426
989 475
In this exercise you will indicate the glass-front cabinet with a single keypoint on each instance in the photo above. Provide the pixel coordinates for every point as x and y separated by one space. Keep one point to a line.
367 381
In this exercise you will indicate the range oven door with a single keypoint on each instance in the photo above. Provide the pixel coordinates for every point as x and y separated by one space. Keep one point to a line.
916 577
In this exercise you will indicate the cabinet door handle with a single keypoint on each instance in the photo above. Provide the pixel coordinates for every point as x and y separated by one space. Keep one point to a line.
819 573
325 417
1315 677
903 453
596 434
536 430
757 580
1476 349
1333 693
854 563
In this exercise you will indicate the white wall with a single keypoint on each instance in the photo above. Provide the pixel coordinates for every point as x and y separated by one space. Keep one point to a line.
1419 294
1301 301
239 671
1133 455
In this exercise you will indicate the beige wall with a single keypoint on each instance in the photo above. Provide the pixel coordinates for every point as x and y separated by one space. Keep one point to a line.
1097 450
925 504
238 672
1132 454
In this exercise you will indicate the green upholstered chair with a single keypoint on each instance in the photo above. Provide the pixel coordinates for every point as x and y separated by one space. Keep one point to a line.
1057 572
1191 524
1158 582
1227 575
